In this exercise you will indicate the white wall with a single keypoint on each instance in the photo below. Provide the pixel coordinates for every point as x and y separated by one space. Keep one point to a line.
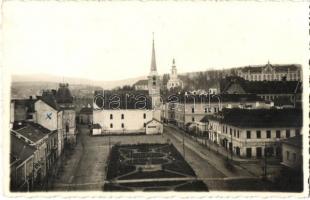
133 120
46 115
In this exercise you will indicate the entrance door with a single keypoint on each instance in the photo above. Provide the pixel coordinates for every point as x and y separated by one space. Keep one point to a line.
248 152
258 152
238 151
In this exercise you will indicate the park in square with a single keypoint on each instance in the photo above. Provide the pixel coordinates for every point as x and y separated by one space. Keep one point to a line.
150 167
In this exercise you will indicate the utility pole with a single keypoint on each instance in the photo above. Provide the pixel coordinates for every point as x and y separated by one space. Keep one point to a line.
183 146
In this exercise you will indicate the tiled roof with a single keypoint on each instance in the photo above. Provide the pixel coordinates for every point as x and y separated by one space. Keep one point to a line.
267 87
294 141
272 87
32 131
20 150
126 99
142 82
48 97
267 118
220 97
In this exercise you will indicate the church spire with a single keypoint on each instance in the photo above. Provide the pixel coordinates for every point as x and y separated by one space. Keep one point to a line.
153 63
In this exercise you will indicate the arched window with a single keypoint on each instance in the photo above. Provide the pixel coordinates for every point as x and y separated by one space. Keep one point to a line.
111 116
122 116
111 125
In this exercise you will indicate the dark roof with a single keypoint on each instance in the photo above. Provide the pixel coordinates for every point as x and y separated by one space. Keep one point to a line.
28 104
153 120
142 82
124 100
48 97
96 126
20 150
294 141
268 87
204 119
32 131
277 68
216 98
63 94
86 110
267 118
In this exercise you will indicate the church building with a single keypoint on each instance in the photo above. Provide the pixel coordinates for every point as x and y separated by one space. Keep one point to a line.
129 112
174 81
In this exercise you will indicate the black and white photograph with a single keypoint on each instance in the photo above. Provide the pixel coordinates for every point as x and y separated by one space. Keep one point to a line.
159 97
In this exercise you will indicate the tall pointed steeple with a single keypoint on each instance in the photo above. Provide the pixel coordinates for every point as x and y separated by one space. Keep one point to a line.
153 63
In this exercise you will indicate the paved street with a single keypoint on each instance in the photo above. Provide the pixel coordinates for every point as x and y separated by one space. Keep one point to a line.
84 168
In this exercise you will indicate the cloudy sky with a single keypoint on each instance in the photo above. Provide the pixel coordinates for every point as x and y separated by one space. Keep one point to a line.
112 41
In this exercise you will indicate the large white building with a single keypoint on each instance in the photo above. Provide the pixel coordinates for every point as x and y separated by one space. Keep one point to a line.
130 112
174 81
271 72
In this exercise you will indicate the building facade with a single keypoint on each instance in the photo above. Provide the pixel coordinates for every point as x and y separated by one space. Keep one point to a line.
271 73
253 133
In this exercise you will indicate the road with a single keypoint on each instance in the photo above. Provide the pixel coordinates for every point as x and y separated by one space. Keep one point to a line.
84 167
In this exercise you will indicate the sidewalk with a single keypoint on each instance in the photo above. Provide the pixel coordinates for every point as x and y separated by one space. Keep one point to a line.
251 166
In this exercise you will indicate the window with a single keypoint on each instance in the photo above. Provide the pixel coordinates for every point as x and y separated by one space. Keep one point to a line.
258 134
297 132
278 134
193 110
144 125
223 129
238 134
144 116
193 119
230 131
111 125
226 129
268 134
294 156
122 116
288 133
111 116
206 110
122 125
248 134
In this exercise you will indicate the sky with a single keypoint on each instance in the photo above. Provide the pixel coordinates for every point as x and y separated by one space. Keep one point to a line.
113 40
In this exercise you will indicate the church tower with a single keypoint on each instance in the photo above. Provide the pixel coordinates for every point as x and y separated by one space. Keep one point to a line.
153 80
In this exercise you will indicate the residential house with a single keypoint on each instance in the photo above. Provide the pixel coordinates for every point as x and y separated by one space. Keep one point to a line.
21 164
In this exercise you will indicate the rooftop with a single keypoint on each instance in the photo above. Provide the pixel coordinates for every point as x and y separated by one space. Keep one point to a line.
32 131
277 68
215 98
294 141
20 150
267 118
124 100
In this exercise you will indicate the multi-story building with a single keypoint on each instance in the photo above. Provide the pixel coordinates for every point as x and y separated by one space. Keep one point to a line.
192 108
36 136
271 72
281 92
21 164
65 101
252 133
